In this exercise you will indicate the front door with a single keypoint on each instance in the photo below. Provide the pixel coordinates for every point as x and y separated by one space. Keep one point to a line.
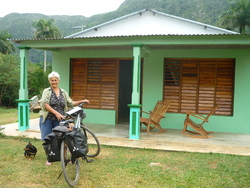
125 90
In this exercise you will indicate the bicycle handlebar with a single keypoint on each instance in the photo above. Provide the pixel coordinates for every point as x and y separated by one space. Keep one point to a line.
82 104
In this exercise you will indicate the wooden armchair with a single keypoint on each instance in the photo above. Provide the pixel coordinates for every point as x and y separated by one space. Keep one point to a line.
199 132
155 116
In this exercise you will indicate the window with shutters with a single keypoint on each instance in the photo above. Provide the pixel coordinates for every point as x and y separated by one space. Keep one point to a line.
95 80
198 84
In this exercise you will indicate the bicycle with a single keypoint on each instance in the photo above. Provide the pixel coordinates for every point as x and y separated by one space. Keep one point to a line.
95 149
71 164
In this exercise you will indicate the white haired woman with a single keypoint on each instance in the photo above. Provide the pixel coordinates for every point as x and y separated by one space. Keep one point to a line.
54 103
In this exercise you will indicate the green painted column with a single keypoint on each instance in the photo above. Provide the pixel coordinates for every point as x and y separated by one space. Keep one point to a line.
23 101
134 122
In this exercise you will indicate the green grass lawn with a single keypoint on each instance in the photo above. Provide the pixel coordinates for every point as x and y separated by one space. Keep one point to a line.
120 167
10 115
125 168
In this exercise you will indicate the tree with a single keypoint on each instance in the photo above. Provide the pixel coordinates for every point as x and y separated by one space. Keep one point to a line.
9 79
238 16
6 46
37 79
45 29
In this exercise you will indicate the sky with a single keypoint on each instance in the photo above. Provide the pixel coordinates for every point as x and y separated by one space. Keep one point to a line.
59 7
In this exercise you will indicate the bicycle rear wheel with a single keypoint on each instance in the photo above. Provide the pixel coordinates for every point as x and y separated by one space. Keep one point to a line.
94 147
70 166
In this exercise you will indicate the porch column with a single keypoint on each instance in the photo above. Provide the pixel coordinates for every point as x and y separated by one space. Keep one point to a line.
134 121
23 101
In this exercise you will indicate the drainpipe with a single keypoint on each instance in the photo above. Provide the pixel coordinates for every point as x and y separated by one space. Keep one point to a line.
23 101
134 120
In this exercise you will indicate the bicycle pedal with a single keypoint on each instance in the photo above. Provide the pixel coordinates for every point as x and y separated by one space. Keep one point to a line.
90 161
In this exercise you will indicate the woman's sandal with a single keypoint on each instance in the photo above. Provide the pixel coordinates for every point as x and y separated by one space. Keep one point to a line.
48 163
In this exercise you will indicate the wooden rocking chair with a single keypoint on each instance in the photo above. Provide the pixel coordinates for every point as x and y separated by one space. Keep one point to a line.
155 116
199 130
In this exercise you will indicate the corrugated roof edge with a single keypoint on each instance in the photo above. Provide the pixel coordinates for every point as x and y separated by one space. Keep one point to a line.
153 11
225 34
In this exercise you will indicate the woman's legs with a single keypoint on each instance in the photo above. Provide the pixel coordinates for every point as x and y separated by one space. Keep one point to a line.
47 126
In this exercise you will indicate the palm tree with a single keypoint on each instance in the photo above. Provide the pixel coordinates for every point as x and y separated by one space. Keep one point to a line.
238 16
45 29
6 47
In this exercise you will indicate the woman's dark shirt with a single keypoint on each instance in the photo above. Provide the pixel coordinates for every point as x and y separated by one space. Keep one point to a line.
57 103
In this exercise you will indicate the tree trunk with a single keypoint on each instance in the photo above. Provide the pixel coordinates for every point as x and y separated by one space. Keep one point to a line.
3 89
44 64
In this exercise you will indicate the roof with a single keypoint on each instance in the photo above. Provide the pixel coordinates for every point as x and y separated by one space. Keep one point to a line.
216 41
149 22
86 34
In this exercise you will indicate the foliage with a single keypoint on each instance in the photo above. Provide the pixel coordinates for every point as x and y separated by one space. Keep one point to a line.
6 46
238 16
45 29
37 79
37 56
124 167
9 79
10 76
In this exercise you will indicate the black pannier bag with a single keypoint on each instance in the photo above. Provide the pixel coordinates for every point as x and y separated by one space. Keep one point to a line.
77 143
52 147
52 144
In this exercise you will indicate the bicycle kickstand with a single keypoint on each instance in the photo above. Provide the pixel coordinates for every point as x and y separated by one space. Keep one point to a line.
59 175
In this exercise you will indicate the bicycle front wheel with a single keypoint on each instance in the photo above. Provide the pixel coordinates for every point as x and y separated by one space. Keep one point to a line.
93 142
70 166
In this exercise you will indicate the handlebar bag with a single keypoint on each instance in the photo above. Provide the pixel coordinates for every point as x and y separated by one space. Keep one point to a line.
52 147
77 143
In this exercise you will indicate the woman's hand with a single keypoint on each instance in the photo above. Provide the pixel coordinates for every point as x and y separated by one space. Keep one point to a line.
75 103
59 116
85 100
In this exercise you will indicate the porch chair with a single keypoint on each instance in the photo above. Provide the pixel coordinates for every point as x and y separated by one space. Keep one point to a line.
199 131
155 116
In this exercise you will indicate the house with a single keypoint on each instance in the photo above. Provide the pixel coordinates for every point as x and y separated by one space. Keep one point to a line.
130 63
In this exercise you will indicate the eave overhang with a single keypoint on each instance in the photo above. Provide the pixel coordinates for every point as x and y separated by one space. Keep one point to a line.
152 42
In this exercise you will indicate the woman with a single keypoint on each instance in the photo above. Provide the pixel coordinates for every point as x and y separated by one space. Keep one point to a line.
54 103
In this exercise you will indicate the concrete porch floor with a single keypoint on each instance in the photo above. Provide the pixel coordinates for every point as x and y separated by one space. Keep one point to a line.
171 140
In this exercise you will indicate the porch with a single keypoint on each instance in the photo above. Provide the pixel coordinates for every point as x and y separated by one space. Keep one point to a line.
172 140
